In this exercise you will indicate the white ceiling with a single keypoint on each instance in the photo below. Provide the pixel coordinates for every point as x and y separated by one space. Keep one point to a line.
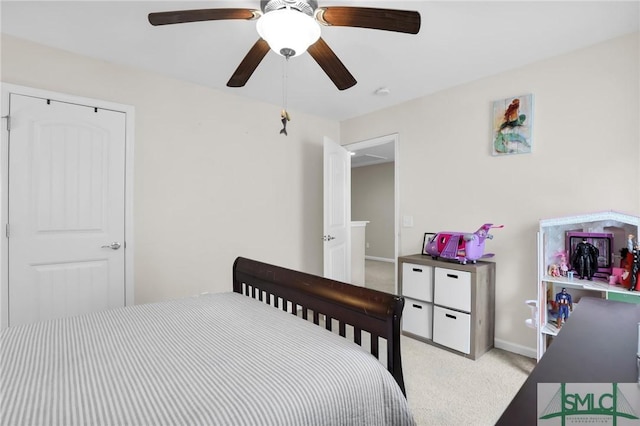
458 42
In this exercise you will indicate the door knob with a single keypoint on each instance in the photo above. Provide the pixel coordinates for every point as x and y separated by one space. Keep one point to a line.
113 246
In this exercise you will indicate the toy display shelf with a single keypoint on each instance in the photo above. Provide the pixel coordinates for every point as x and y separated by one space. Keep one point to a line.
551 329
552 235
610 292
595 284
599 288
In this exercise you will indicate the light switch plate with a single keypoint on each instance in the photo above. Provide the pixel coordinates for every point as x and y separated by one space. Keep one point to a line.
407 221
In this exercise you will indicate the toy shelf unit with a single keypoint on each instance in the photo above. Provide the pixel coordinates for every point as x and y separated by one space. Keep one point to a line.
557 238
448 304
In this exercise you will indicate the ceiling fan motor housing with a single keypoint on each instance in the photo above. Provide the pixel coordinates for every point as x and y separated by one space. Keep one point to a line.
305 6
288 26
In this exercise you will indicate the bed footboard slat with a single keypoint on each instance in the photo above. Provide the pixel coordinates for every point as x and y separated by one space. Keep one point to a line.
328 322
374 345
342 330
364 309
357 336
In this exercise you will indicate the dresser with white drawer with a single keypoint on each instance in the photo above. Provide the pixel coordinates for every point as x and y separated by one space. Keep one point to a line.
448 304
417 289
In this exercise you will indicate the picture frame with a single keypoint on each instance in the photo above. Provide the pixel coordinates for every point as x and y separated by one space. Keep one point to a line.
425 240
512 124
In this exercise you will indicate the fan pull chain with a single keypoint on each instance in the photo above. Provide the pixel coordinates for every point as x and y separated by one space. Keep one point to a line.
284 115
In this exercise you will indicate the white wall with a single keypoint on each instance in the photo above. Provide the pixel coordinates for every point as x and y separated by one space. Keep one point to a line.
586 158
213 177
215 180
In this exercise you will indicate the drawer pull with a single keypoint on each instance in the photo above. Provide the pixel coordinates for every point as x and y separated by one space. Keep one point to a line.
417 270
450 316
452 276
417 306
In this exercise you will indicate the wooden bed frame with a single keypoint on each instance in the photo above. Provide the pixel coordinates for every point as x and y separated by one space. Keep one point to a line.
297 292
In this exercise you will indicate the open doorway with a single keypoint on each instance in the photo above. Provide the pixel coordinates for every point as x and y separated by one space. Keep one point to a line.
374 201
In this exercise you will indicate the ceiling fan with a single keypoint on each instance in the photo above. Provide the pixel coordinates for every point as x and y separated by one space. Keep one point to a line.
291 27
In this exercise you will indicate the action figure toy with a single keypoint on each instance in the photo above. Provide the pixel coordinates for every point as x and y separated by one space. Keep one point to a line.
565 304
585 259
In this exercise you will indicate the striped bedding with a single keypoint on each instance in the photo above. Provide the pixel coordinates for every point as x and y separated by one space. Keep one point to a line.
216 359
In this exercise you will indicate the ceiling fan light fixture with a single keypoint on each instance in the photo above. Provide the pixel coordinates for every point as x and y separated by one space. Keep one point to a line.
288 32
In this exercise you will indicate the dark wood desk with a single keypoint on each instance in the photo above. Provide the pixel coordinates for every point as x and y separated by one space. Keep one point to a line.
598 344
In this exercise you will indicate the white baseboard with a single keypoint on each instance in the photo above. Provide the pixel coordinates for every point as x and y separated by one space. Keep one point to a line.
515 348
380 259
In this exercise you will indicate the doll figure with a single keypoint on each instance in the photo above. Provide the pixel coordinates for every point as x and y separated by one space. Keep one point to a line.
585 259
633 249
564 267
554 270
565 304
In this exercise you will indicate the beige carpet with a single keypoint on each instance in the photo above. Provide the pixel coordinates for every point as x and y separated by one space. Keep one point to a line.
444 388
379 275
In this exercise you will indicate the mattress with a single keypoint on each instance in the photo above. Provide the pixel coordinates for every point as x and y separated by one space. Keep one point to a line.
216 359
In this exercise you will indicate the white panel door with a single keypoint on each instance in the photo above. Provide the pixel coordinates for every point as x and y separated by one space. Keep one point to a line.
337 212
66 209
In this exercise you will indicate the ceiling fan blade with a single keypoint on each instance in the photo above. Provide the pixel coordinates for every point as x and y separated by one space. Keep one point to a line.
402 21
249 64
332 66
182 16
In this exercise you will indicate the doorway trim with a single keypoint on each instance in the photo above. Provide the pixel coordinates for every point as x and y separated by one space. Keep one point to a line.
129 111
381 140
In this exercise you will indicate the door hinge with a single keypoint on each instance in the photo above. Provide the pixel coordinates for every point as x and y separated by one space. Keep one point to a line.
6 230
8 117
